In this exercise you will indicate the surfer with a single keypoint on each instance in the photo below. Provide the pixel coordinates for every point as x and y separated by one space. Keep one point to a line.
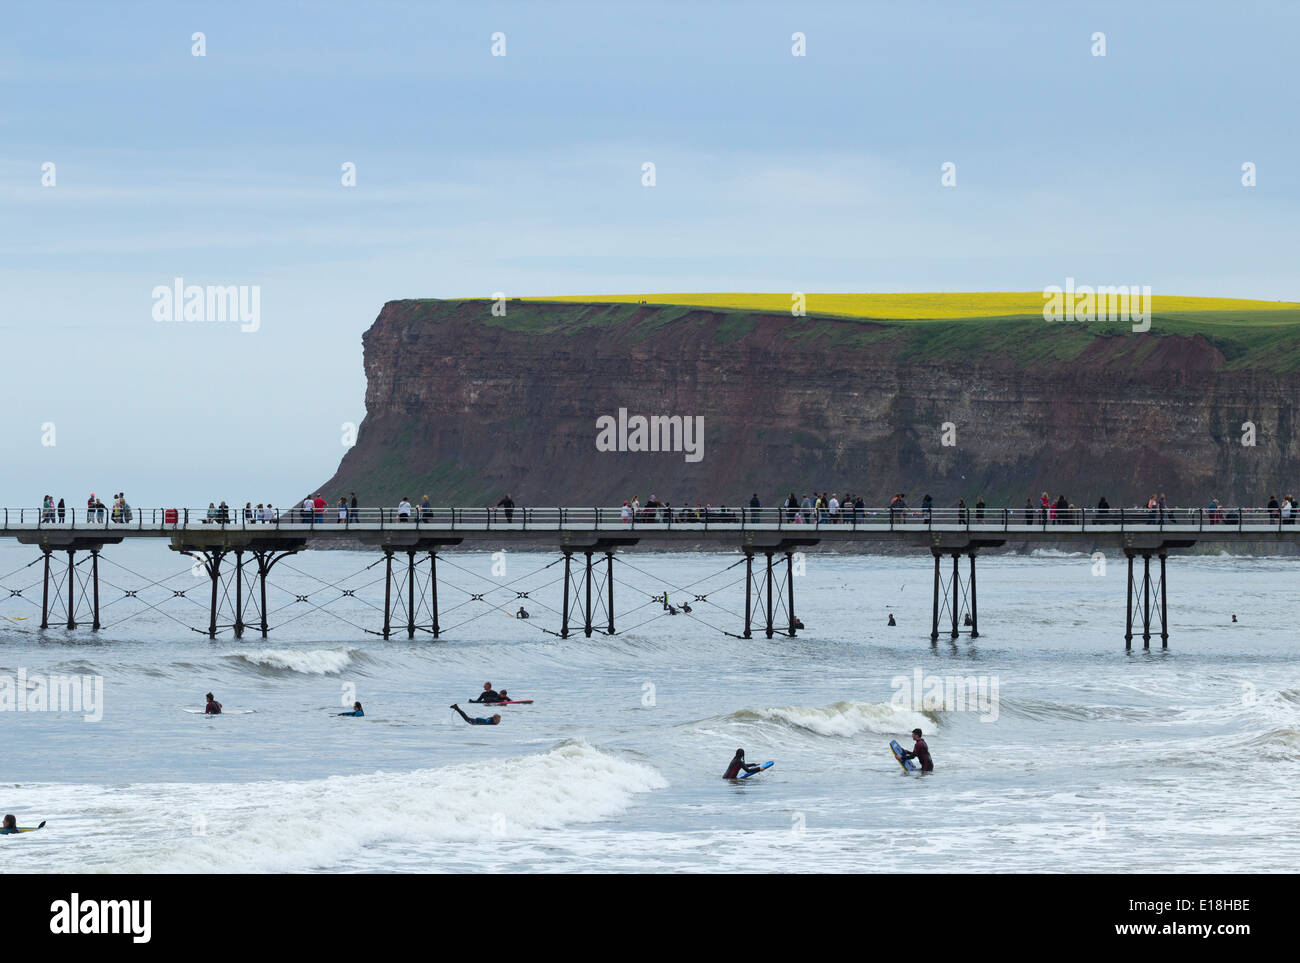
10 827
920 751
521 614
1234 616
737 764
966 619
356 710
505 696
488 694
494 721
891 619
213 708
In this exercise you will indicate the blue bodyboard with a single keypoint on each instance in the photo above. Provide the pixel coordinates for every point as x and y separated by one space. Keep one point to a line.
766 765
909 765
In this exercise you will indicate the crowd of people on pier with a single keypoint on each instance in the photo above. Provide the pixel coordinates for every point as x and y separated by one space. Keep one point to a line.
815 508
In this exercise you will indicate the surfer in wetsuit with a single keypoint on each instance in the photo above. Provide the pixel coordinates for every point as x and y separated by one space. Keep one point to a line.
494 721
891 619
521 614
488 694
920 751
213 708
737 764
10 827
356 710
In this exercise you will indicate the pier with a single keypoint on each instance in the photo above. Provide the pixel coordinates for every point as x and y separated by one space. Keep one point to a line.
238 551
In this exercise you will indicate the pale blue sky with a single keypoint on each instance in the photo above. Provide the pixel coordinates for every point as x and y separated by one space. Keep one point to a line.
522 174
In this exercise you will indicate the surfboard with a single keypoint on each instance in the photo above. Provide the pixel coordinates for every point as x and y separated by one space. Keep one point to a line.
223 712
908 765
510 702
30 829
766 765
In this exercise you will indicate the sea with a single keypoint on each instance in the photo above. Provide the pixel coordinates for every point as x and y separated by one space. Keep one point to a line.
1055 750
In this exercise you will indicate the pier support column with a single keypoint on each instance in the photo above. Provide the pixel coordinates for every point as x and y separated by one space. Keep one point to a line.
94 579
388 593
410 593
770 630
1146 600
1164 605
749 593
72 585
974 601
433 590
934 616
239 593
45 593
789 588
609 585
1128 608
213 564
954 600
564 616
586 624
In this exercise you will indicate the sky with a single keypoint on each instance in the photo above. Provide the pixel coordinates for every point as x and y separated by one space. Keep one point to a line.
523 174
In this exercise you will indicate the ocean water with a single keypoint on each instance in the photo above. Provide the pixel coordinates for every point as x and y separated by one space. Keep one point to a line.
1088 759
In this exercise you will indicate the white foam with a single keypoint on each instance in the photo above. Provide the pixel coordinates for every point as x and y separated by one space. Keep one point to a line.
300 826
840 718
306 661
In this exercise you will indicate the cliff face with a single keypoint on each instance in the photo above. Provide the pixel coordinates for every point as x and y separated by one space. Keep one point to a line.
464 406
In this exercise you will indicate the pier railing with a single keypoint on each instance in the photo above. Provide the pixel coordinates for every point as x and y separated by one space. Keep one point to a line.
335 518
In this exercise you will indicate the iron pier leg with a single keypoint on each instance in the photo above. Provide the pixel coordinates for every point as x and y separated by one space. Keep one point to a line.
94 579
1128 610
72 584
1164 606
564 618
770 630
609 582
45 593
388 592
214 573
789 586
586 625
410 593
433 590
239 593
263 567
934 617
749 592
1146 600
955 598
974 602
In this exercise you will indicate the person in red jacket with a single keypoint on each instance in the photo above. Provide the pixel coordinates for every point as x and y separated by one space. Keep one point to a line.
920 751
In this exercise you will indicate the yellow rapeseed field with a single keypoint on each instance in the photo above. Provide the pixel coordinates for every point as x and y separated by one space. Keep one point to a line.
914 306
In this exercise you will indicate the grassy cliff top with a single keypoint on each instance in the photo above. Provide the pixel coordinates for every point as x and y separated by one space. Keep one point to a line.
920 326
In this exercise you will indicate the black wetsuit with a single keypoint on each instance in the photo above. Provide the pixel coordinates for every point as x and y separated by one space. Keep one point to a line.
213 708
476 721
491 695
738 763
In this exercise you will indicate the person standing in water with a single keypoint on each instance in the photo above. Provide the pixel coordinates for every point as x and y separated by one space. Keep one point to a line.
356 710
213 708
488 694
920 751
737 764
494 721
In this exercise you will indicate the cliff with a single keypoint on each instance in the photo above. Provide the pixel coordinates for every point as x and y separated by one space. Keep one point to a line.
465 406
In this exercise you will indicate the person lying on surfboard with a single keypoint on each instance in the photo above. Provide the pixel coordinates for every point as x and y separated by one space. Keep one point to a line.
10 827
488 694
213 708
494 721
737 764
356 710
920 751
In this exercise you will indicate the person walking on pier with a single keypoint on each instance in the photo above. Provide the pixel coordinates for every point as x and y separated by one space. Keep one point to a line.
426 512
353 507
979 509
508 504
61 509
343 510
404 510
